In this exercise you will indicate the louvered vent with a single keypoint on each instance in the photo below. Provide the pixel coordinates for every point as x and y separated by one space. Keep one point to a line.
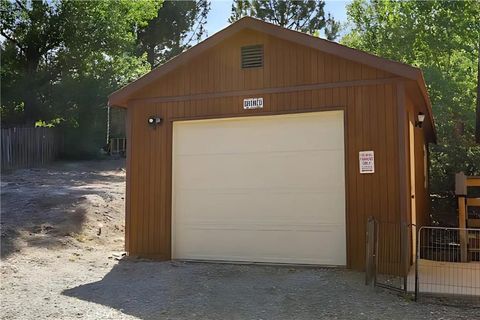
252 56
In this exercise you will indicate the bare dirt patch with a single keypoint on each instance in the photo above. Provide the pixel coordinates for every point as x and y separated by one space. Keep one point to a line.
58 224
77 204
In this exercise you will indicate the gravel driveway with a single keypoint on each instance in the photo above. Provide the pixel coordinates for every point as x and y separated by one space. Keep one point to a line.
62 230
176 290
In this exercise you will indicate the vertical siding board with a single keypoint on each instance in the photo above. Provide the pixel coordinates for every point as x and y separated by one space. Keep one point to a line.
128 178
351 180
168 205
205 71
136 203
313 65
329 97
382 146
396 154
308 99
166 184
321 97
160 197
307 68
212 72
297 100
328 67
282 72
259 79
321 67
376 132
155 191
265 78
235 67
390 151
144 180
191 108
215 71
152 144
271 78
315 98
342 66
359 110
223 70
295 61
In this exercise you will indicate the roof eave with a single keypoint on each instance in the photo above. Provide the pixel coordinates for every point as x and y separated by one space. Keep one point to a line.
428 104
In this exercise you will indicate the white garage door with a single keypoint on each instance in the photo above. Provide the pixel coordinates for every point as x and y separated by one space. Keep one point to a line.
260 189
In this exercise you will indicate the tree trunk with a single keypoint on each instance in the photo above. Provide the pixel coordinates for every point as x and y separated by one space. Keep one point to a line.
32 110
151 55
477 129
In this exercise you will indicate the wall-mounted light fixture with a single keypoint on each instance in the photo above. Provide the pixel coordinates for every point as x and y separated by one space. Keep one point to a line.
420 119
154 121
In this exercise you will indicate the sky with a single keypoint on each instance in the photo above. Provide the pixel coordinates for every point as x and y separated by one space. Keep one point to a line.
220 12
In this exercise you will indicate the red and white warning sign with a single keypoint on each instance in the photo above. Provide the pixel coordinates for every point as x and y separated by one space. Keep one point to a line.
367 161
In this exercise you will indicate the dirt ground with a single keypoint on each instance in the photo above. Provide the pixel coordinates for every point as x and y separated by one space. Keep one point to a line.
61 247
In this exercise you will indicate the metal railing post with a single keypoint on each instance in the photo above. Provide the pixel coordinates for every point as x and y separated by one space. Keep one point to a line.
417 261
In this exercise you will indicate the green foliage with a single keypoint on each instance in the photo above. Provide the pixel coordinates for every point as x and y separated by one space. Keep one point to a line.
61 59
442 38
305 15
177 25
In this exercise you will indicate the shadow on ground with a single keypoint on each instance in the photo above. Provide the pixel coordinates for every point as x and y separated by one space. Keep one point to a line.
176 290
154 290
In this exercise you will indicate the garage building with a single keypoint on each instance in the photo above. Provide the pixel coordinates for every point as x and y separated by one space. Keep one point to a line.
263 144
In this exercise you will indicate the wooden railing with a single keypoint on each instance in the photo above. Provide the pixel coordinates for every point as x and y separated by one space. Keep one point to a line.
469 242
118 146
28 147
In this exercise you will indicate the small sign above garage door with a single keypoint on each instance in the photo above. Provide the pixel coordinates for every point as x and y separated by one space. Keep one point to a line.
253 103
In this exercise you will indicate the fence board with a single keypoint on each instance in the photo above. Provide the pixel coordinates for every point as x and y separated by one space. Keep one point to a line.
28 147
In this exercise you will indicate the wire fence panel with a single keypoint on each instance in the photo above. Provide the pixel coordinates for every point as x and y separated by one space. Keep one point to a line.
28 147
448 262
387 253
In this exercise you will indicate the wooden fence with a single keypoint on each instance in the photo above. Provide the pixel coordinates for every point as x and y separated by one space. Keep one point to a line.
29 147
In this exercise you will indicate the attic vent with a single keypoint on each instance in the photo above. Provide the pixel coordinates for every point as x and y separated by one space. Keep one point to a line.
252 56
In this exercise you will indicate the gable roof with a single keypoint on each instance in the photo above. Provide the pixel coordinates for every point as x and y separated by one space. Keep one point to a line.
121 96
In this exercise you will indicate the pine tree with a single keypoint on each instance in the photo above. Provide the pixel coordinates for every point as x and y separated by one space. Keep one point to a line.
178 25
304 15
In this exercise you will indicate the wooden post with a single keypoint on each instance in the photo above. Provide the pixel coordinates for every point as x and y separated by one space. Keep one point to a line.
462 219
461 192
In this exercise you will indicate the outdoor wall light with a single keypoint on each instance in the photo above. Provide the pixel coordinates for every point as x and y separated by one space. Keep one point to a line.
154 121
420 119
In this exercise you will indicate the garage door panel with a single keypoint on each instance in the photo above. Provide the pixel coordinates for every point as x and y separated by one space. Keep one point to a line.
260 169
263 189
266 245
291 205
234 137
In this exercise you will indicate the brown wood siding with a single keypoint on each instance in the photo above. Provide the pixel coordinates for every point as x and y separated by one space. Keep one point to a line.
370 125
371 106
286 64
